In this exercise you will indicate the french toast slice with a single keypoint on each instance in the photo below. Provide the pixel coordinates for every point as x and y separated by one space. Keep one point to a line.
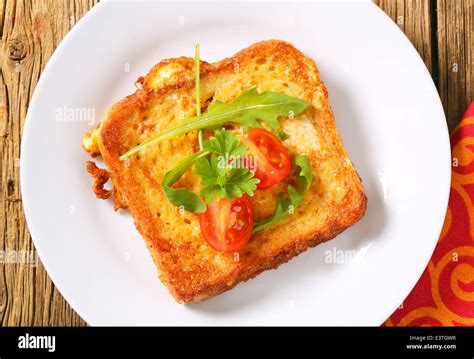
187 265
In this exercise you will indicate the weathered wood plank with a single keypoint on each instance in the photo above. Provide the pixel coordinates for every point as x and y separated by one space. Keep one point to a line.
30 31
456 67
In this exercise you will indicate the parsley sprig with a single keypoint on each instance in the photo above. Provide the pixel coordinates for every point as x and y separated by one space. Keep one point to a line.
217 165
221 173
226 142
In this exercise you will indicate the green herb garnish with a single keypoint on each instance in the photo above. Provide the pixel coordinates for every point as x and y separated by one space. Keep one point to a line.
222 175
219 182
286 206
180 196
281 135
226 143
197 79
247 109
217 162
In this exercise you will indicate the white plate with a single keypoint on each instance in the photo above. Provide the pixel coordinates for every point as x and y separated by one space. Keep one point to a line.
387 111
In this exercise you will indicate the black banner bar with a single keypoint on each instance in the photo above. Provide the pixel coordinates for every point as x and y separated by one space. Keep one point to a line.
416 342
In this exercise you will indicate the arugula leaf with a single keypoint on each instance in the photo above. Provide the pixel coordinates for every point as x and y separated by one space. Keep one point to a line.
181 196
220 181
197 78
303 179
286 206
247 109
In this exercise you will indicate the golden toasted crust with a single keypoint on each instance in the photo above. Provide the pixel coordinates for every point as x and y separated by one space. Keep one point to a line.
187 265
101 177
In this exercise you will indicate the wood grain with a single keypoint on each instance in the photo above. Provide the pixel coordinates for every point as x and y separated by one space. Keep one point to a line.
441 31
455 51
30 31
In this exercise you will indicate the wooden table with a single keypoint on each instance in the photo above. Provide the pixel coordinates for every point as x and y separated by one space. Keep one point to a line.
441 31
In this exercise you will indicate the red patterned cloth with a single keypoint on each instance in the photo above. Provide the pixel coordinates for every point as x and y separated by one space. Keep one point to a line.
444 295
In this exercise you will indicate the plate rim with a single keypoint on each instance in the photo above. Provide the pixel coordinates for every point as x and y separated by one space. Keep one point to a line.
46 73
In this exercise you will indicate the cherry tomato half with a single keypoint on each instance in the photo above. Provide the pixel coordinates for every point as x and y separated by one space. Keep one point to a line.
271 157
227 225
